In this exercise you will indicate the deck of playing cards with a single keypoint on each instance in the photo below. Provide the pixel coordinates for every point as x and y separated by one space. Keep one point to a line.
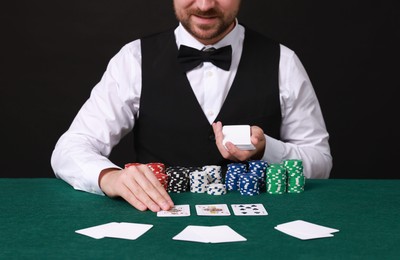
239 135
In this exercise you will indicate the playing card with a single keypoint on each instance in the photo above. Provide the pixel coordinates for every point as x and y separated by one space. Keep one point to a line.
305 230
176 211
97 232
214 234
239 135
122 230
213 210
126 230
249 209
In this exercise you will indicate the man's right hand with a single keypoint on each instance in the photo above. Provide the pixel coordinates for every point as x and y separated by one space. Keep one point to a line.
138 186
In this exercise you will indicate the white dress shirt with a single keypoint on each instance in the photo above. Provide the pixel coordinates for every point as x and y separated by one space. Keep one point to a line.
109 114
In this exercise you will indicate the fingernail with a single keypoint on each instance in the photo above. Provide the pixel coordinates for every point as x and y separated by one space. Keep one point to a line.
155 208
165 205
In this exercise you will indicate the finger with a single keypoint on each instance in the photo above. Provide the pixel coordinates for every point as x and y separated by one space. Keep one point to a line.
159 195
127 195
239 155
217 128
138 184
219 137
154 180
150 191
258 140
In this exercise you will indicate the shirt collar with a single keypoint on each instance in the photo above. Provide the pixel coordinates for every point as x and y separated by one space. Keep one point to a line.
233 38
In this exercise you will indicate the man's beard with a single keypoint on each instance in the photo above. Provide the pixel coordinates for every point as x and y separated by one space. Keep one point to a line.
206 32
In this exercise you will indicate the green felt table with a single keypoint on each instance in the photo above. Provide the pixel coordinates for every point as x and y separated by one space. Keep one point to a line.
39 218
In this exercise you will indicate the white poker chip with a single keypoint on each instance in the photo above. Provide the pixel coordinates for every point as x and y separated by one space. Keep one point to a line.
216 189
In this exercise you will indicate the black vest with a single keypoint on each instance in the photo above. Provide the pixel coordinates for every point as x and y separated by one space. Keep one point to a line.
172 127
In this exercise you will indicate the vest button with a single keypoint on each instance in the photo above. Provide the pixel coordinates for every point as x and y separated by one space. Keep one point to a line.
211 137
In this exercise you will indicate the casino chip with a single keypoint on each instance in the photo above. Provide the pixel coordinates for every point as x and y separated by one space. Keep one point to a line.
259 167
276 179
158 169
233 172
216 189
198 181
178 179
249 184
214 173
296 179
285 177
249 178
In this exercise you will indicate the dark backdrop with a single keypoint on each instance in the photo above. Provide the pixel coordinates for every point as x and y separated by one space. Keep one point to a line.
54 52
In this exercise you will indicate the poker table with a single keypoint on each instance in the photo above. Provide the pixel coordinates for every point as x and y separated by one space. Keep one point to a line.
39 217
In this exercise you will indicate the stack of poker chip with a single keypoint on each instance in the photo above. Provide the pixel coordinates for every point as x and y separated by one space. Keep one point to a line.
198 181
276 178
296 179
259 167
178 179
249 184
159 171
216 189
214 173
157 168
234 170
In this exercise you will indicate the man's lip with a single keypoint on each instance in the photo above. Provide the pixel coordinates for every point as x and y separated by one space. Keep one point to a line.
204 18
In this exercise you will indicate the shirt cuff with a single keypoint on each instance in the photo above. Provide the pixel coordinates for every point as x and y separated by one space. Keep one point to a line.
274 150
91 180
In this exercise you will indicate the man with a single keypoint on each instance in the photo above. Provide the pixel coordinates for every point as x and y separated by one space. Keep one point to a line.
177 112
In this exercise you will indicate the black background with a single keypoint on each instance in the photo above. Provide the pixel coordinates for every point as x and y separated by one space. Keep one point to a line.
54 52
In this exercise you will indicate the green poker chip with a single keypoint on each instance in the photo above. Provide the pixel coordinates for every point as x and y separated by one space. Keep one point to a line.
285 177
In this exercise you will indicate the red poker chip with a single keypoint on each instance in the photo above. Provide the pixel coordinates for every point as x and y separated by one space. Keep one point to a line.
163 179
156 167
132 164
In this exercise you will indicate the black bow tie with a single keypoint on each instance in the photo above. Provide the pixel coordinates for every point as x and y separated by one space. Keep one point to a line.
191 58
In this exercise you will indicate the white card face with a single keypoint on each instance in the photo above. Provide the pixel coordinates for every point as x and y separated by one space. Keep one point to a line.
176 211
213 210
215 234
249 209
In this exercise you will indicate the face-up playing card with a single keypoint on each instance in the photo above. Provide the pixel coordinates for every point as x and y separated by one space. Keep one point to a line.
213 210
176 211
249 209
